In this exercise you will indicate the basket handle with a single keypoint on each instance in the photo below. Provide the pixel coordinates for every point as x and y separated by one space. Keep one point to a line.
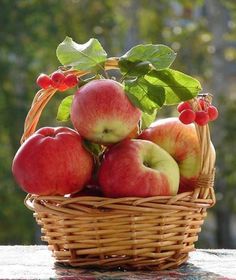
204 188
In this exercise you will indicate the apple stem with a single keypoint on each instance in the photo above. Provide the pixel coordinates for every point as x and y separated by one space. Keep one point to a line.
106 74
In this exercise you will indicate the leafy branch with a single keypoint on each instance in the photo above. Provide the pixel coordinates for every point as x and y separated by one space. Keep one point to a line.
148 80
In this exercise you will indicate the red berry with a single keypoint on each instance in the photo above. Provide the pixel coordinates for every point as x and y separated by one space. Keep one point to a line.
71 80
212 112
187 116
44 81
57 78
202 103
62 87
202 118
183 106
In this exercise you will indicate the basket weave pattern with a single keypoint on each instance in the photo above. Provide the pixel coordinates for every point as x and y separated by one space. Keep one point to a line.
139 233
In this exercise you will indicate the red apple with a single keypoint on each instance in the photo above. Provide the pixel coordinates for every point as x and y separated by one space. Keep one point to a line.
101 112
181 142
138 168
134 133
52 161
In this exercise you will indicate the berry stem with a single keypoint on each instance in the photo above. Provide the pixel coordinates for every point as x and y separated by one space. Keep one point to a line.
106 74
85 81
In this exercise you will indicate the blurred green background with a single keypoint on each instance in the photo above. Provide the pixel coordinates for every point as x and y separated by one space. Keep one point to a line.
203 33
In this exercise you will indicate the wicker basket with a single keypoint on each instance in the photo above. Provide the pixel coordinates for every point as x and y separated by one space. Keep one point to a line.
136 233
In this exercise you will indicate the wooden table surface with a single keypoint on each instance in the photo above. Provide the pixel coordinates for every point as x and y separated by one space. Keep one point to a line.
35 262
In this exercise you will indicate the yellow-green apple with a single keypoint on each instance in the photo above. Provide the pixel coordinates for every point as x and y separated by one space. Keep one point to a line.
52 161
138 168
101 112
182 143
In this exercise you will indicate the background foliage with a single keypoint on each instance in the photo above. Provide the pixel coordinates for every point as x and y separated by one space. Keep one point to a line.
201 32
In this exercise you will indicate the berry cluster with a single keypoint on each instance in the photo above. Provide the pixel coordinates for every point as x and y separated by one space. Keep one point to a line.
204 113
57 80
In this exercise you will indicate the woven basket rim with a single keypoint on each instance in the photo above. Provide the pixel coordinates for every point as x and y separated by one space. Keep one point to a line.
184 199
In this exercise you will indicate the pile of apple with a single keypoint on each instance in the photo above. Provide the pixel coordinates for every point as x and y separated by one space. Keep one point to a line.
163 159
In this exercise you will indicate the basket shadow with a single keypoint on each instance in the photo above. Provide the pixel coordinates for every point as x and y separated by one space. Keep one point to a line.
185 271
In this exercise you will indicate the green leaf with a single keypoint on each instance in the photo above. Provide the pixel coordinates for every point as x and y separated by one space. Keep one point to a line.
88 56
130 68
147 119
177 85
159 56
93 148
144 95
63 113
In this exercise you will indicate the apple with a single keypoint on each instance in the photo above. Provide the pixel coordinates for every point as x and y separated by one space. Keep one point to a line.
52 161
138 168
134 133
182 143
101 112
